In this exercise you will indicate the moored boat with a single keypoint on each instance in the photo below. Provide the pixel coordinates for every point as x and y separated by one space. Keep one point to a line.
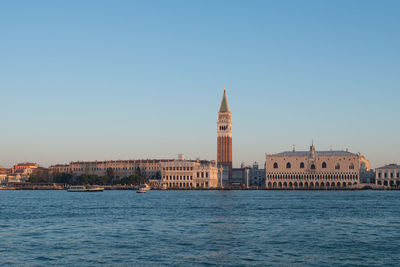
81 188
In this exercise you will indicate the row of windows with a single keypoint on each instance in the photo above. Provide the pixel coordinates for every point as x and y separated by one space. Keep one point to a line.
386 175
183 177
178 177
313 173
178 169
175 185
306 185
391 183
313 176
302 166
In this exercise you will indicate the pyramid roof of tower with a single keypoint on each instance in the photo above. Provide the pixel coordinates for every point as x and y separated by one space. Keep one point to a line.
224 104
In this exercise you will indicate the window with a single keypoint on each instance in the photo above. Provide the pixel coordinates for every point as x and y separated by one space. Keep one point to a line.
386 176
302 165
391 175
351 167
323 165
380 175
313 166
275 165
337 167
288 165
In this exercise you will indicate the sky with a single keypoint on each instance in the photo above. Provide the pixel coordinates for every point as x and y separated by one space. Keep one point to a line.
102 80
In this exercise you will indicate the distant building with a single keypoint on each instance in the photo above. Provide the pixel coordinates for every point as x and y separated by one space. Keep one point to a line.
238 179
388 176
4 170
14 178
256 176
3 178
149 168
18 173
248 176
23 166
314 169
189 174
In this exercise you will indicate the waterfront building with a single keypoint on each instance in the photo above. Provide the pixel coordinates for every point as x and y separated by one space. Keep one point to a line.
238 179
248 176
256 176
18 173
4 170
314 169
14 178
23 166
388 176
3 178
189 174
224 140
149 168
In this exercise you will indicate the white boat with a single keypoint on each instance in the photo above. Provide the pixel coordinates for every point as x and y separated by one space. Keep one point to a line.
143 188
81 188
95 189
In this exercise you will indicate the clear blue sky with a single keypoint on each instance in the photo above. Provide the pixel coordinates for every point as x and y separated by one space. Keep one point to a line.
87 80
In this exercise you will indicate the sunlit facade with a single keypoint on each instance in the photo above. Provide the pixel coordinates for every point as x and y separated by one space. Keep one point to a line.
314 169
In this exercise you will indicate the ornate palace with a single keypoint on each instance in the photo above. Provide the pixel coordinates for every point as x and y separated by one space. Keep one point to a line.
314 169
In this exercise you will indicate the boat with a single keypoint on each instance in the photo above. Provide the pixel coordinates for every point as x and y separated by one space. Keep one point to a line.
95 189
143 188
81 188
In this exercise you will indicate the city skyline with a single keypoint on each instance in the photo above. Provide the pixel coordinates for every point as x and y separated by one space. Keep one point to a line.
144 80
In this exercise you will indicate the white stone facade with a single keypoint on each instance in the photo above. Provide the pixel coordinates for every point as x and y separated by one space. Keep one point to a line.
188 174
388 176
313 169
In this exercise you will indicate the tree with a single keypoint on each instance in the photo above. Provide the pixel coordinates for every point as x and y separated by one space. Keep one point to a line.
133 179
63 178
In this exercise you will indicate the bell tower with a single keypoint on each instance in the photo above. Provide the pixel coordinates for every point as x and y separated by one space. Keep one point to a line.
224 139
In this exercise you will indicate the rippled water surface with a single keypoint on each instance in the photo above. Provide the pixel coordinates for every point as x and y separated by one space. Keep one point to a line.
122 228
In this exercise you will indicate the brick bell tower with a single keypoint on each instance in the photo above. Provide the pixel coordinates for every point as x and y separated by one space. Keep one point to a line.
224 141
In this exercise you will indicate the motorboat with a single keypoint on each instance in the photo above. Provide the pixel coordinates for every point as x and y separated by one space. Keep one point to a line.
81 188
143 188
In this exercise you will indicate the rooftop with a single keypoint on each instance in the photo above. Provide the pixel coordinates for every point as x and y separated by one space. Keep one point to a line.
307 153
390 166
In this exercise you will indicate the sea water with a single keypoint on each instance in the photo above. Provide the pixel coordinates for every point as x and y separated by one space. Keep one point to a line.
197 228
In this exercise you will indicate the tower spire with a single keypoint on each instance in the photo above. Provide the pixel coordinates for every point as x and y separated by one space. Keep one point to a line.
224 107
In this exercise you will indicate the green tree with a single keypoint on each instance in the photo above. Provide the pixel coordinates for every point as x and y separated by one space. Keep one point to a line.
63 178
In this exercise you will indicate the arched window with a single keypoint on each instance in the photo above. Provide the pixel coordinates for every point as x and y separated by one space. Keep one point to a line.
313 166
351 167
337 167
288 165
323 165
275 165
302 165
